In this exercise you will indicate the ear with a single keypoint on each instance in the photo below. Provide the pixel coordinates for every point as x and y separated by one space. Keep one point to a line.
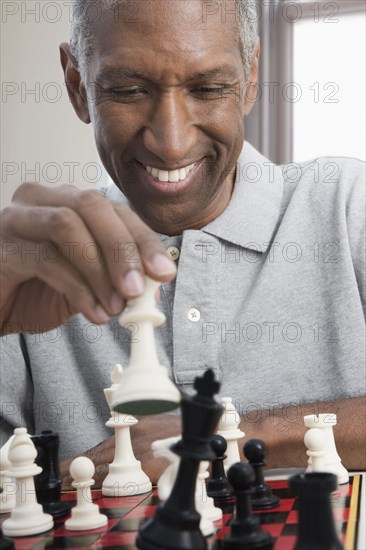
75 86
252 85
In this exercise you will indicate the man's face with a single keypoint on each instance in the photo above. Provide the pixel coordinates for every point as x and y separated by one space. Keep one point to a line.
169 105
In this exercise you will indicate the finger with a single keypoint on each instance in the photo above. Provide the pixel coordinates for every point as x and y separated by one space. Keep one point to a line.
122 246
68 282
156 262
106 227
64 227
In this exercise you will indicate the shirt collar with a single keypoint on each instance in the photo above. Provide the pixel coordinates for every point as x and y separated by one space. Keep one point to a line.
251 216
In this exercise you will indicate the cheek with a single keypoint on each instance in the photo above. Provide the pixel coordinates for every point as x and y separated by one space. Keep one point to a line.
224 123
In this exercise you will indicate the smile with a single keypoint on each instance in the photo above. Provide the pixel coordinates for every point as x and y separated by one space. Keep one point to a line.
179 174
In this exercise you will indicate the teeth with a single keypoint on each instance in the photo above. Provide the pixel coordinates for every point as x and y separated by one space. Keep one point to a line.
170 175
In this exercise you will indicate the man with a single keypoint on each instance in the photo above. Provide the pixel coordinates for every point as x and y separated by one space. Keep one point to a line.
167 91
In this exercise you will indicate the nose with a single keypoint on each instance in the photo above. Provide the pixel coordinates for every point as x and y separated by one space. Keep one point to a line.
170 133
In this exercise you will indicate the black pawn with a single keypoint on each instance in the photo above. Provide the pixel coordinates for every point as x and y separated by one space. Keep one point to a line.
245 530
316 526
48 482
218 486
5 543
255 451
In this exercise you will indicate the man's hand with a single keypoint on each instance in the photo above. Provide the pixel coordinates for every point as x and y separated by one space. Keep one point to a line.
148 429
66 251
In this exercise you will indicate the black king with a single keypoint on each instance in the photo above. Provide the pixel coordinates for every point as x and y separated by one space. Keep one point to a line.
175 525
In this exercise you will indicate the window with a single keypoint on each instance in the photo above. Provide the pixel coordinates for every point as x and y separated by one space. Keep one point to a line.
329 69
312 80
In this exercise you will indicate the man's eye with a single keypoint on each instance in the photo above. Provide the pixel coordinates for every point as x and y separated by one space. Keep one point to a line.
128 94
210 92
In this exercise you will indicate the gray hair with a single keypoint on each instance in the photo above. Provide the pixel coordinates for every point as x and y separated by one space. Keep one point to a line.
82 38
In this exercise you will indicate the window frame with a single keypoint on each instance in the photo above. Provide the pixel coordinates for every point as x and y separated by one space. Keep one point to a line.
269 127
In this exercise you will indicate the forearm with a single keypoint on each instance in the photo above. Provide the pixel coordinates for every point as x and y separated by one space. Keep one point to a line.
283 431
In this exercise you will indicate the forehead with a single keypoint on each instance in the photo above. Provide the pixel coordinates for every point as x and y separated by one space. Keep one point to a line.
169 32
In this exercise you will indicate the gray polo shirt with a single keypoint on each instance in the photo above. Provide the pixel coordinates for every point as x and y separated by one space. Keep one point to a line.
269 295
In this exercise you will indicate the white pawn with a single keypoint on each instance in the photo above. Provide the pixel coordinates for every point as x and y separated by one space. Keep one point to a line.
27 517
7 497
229 429
161 449
315 443
205 504
125 475
333 464
85 515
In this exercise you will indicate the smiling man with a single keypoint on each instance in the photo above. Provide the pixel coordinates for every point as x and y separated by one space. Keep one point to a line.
266 283
169 106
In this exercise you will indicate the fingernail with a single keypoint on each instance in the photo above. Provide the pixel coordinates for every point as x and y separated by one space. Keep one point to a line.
162 265
102 316
133 283
116 303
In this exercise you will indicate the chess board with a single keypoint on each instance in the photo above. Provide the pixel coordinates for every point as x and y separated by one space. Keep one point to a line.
127 514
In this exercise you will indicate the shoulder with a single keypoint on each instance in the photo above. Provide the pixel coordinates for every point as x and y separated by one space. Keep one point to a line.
341 173
337 183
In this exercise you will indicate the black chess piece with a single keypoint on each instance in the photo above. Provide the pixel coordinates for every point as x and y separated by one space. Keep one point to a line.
175 525
5 543
255 451
316 526
218 486
245 531
48 482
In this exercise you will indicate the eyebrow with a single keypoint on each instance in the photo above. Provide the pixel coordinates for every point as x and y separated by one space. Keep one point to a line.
110 73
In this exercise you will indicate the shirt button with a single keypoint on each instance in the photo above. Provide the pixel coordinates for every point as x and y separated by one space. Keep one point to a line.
194 315
173 252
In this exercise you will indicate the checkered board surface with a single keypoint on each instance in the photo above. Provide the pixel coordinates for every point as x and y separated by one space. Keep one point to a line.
127 514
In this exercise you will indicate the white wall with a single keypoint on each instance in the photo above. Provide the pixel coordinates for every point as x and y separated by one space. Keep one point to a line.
40 132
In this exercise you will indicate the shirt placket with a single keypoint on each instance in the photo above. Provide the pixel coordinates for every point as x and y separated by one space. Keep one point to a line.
194 305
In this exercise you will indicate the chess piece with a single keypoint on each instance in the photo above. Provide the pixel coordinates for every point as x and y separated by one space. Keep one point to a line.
204 504
315 442
333 464
245 531
48 482
85 515
5 543
27 517
316 527
7 497
125 476
229 429
218 486
262 498
161 449
176 521
145 386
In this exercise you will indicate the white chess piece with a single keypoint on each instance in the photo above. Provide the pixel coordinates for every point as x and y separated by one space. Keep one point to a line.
333 464
27 517
206 524
316 449
205 504
125 476
85 515
229 429
145 386
161 449
7 497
